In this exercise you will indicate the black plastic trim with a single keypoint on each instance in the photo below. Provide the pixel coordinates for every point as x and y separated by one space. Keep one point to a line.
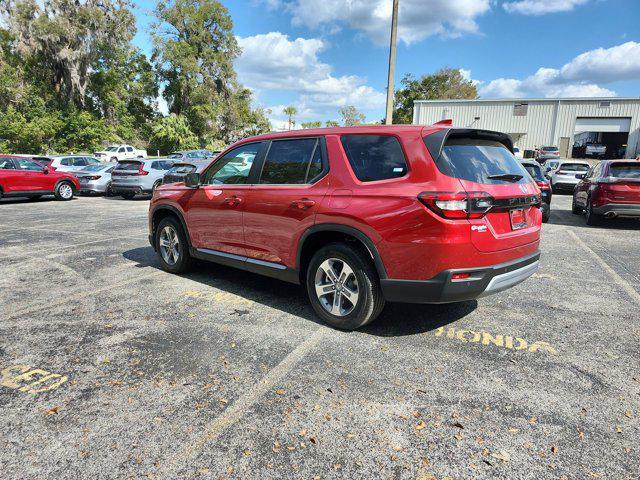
173 210
261 267
337 227
441 288
27 193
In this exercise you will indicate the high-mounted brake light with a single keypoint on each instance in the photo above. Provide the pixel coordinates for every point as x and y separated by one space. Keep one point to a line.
460 205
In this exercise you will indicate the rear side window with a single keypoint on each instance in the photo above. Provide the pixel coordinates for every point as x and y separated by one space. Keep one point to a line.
289 162
480 161
375 157
67 162
131 166
625 170
7 164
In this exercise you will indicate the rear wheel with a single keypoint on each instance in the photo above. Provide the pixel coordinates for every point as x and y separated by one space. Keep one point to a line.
172 246
343 287
64 191
592 218
575 209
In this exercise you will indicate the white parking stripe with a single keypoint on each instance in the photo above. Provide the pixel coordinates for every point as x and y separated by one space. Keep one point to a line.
237 410
626 286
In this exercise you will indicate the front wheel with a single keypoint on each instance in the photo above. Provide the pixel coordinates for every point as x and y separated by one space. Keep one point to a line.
172 246
343 287
64 191
575 209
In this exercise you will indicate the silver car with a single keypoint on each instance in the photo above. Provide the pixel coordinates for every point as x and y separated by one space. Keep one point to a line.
142 175
564 177
68 163
96 178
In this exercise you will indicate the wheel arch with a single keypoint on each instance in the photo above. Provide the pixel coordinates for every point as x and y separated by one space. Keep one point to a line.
318 235
65 180
163 211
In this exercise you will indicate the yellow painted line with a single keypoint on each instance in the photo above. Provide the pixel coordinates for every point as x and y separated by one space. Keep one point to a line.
489 339
30 380
236 411
626 286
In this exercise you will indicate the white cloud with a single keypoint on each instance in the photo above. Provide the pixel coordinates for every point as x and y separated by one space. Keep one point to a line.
273 62
578 78
466 74
417 19
541 7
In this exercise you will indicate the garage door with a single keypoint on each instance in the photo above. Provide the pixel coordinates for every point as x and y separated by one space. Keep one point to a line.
599 124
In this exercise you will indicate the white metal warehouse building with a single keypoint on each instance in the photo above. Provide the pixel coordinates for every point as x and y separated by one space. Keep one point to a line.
567 123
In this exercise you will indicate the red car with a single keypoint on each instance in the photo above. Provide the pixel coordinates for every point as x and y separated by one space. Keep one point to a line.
360 216
608 190
22 177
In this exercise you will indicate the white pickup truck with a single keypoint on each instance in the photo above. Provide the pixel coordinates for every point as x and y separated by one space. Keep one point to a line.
115 153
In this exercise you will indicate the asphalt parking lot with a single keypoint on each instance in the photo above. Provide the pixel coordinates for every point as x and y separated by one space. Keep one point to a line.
113 368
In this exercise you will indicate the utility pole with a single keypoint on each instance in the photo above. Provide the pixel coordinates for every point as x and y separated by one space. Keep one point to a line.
392 64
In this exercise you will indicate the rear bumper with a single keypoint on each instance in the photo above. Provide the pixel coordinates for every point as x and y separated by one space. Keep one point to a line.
619 209
443 289
565 185
128 189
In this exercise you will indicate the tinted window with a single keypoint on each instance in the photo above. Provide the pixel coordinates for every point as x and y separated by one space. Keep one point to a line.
129 149
477 160
374 157
535 171
574 167
7 164
625 170
288 161
234 167
128 166
549 149
92 161
121 150
80 162
66 162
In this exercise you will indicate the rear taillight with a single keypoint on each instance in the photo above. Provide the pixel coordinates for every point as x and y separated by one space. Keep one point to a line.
93 177
141 171
456 206
543 185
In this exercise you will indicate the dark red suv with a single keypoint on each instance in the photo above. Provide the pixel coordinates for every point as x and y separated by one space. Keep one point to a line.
609 189
360 215
24 177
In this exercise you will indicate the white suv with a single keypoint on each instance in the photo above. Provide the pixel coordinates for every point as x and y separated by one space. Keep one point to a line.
564 177
115 153
67 163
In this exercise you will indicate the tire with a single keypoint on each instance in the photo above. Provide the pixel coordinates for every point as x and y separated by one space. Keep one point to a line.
363 281
64 191
575 209
128 195
172 260
108 192
591 218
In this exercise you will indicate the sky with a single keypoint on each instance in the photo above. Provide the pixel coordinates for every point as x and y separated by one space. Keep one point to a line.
321 55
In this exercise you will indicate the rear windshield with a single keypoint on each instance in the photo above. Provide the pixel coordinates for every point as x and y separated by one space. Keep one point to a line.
128 166
549 149
183 169
535 171
94 168
574 167
478 160
625 170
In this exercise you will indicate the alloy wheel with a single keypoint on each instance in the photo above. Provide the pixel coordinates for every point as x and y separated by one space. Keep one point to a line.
336 287
169 245
65 191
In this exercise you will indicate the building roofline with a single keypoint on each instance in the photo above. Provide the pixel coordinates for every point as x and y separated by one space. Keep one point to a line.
564 99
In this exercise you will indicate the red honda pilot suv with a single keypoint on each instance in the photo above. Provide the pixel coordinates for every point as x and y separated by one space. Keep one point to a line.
23 177
360 216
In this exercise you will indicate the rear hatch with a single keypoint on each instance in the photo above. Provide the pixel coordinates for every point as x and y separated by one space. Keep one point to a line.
568 171
623 182
128 172
506 197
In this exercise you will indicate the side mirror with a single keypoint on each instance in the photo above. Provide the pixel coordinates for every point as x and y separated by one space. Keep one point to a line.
581 175
192 180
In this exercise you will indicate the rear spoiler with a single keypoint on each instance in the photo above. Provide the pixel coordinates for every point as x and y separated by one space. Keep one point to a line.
437 140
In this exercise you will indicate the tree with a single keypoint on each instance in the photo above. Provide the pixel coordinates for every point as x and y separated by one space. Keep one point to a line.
64 39
331 123
290 112
311 124
351 116
172 133
445 84
194 51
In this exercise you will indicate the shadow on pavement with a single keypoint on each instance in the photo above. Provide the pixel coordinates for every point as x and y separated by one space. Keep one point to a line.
397 319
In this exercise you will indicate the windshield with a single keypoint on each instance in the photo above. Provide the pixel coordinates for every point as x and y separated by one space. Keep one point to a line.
574 167
625 170
111 149
480 161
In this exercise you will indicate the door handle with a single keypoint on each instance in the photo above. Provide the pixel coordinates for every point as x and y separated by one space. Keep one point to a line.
233 201
303 204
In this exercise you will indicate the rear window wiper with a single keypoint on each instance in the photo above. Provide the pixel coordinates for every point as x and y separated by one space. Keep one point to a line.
512 177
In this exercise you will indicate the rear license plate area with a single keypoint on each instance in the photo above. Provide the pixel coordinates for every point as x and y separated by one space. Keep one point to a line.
518 218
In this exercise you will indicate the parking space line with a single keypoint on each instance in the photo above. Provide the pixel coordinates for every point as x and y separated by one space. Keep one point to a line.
79 296
626 286
237 410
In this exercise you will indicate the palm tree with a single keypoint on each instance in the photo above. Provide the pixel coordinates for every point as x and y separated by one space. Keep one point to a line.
290 112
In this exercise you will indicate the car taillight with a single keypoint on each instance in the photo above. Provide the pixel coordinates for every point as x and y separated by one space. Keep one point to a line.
543 185
141 171
460 205
93 177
